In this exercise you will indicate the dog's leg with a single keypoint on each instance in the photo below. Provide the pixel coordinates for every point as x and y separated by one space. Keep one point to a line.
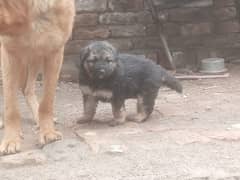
1 118
141 114
89 109
12 129
145 106
148 103
51 69
119 113
29 91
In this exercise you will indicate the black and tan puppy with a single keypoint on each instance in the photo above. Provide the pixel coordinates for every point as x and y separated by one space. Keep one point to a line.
108 76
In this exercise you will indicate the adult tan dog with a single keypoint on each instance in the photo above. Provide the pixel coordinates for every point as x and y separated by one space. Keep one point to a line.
33 34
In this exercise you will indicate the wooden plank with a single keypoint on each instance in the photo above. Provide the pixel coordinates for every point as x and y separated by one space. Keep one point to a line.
192 77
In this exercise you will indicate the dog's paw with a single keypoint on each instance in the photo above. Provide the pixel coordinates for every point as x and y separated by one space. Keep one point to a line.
50 136
10 146
84 120
115 123
136 118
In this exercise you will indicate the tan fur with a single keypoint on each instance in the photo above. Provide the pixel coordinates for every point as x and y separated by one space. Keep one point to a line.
33 34
97 93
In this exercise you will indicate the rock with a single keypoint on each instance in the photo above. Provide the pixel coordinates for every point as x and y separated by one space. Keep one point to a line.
128 30
224 135
91 139
196 29
103 142
91 5
61 150
91 33
184 137
116 149
126 5
29 158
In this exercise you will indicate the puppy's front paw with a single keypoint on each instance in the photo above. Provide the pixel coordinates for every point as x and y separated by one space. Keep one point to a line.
115 122
84 120
137 118
49 136
10 146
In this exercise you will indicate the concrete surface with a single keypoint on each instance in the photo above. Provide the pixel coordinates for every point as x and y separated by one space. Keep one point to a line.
192 136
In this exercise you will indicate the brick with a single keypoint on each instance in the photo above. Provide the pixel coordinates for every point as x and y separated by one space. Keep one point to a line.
158 2
231 40
90 33
161 4
119 18
122 44
223 3
172 29
203 53
126 5
225 13
181 42
91 5
202 3
145 53
228 27
144 17
173 4
147 43
128 31
229 53
196 29
190 15
152 30
74 46
90 19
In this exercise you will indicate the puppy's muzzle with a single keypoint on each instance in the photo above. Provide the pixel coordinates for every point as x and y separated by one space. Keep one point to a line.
100 73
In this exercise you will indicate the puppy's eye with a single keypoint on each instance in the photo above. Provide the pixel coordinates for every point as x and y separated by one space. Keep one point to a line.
109 60
90 62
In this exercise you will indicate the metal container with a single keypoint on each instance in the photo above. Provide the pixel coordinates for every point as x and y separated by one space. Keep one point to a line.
212 65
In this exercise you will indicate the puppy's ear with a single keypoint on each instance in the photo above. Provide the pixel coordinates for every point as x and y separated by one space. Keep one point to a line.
84 53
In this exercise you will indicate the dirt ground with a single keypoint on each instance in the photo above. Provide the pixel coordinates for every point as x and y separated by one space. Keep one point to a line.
191 136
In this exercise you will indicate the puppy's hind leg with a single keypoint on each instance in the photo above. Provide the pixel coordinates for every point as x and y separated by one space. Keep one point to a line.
145 106
89 109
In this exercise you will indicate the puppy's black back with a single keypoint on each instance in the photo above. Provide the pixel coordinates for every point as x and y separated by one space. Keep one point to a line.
142 74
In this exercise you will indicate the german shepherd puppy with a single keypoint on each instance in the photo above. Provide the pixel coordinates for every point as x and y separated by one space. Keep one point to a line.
108 76
33 34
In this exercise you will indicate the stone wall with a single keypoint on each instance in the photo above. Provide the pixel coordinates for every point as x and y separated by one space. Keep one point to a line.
195 29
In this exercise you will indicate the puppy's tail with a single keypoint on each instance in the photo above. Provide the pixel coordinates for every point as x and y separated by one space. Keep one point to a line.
170 81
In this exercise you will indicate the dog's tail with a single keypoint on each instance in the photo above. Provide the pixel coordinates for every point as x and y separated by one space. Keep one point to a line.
170 81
